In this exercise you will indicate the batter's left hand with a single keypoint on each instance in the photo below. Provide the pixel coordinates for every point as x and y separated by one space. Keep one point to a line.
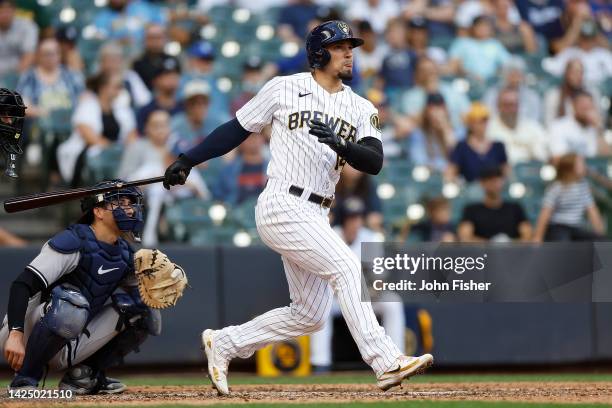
327 136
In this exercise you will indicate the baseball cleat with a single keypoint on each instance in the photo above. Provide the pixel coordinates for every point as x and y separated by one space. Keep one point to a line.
82 380
406 368
217 367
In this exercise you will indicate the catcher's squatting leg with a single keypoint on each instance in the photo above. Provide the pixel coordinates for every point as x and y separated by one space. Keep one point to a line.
316 262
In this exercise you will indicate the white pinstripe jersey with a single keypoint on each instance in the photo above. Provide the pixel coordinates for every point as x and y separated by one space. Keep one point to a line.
288 103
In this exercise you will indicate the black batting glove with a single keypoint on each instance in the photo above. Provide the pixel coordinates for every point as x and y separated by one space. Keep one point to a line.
327 136
177 172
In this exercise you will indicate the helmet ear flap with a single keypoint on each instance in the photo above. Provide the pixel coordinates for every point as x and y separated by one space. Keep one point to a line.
325 57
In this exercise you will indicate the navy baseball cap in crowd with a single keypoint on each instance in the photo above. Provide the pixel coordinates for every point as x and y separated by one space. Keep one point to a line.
67 34
418 23
253 63
352 206
202 50
435 98
168 65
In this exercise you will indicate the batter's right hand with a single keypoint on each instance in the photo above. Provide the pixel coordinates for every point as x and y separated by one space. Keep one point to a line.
177 172
14 349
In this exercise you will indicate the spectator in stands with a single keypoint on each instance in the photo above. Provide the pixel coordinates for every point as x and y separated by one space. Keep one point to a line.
467 11
166 82
431 144
296 16
392 137
41 15
354 183
125 21
477 152
67 36
183 19
18 39
556 20
437 227
135 94
418 41
439 14
387 305
513 76
517 36
243 178
602 12
153 55
581 132
494 219
376 12
565 203
253 79
49 86
98 123
479 56
398 65
370 55
558 100
200 66
524 138
147 157
597 60
427 81
190 127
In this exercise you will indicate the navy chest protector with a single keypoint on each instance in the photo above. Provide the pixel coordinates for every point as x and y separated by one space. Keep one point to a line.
102 267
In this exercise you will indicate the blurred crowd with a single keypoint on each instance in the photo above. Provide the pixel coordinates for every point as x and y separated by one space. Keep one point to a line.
467 89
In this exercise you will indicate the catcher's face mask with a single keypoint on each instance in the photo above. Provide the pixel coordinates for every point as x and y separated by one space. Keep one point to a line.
127 208
12 114
126 205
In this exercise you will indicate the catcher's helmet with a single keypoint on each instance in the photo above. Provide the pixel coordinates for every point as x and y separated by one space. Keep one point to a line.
124 222
12 114
324 34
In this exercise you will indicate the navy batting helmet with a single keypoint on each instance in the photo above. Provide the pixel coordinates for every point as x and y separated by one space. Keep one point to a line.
324 34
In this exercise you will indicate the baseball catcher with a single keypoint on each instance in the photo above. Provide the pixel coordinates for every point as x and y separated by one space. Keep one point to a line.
88 299
12 114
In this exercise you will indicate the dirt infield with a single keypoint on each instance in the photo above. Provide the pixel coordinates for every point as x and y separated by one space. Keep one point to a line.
560 392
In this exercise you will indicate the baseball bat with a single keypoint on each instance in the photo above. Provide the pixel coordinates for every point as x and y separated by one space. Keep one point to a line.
27 202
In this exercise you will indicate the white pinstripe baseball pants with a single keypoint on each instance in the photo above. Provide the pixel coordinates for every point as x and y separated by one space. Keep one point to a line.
316 262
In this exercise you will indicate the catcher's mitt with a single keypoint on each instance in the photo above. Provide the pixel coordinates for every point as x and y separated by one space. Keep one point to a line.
161 282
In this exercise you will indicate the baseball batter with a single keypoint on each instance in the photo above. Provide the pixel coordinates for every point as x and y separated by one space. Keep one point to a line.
318 125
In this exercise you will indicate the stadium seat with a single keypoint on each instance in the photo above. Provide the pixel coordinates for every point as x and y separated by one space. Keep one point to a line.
103 166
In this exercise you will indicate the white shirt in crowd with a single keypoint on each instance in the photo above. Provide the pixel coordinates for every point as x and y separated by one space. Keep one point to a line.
569 136
526 142
597 63
89 112
377 16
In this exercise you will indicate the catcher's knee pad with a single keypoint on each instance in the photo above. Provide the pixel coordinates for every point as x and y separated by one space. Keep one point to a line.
67 312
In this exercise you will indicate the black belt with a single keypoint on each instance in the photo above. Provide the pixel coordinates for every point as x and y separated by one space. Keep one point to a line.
324 202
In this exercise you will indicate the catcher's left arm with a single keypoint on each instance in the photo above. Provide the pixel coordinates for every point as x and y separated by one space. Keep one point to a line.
161 282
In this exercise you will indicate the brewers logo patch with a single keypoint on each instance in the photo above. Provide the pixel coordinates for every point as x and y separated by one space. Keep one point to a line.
344 27
374 121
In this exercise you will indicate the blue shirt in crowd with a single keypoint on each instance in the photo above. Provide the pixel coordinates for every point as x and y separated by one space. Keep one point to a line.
543 16
471 163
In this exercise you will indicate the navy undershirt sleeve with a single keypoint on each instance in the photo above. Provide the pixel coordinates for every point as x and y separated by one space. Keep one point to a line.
222 140
23 288
365 155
